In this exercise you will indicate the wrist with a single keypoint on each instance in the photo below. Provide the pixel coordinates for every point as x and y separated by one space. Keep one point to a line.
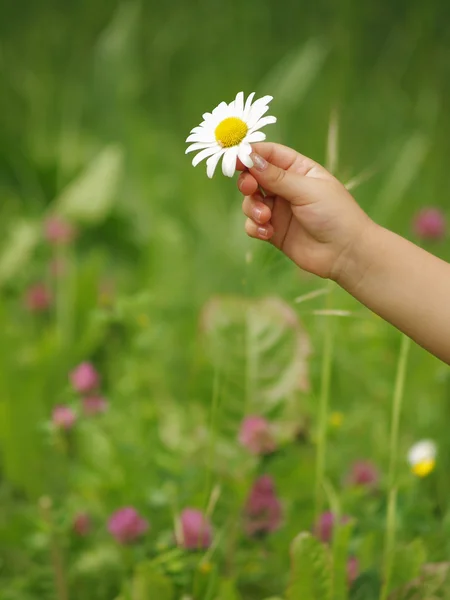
360 257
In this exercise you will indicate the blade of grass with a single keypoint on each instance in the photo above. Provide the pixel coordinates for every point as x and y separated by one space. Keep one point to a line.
323 408
393 459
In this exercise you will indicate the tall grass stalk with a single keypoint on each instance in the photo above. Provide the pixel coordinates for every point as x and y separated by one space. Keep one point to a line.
393 459
323 406
331 163
56 556
210 467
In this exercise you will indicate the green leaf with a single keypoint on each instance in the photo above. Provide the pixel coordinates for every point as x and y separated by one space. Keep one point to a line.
310 569
262 349
431 584
18 249
90 197
407 563
206 581
366 587
148 582
227 591
341 540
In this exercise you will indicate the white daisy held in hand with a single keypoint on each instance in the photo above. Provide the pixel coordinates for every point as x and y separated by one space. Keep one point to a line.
422 457
228 131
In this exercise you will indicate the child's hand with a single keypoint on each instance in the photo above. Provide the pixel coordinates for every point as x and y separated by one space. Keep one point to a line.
312 218
307 213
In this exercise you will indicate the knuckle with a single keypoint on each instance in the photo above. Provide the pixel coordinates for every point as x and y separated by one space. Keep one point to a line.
279 175
247 206
249 228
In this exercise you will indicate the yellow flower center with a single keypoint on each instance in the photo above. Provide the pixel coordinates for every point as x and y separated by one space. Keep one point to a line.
231 132
336 419
424 467
205 567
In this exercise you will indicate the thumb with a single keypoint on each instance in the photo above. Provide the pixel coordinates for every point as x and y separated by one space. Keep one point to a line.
277 181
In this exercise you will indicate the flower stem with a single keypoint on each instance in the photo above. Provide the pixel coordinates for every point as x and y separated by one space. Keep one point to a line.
393 459
57 561
323 408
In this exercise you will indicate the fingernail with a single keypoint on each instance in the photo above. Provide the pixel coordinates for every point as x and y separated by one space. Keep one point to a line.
262 232
257 212
258 161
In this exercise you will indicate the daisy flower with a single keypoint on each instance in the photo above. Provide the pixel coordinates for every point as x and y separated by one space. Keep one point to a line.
228 132
422 457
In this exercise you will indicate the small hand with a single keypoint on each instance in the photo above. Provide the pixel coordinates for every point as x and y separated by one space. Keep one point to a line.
307 213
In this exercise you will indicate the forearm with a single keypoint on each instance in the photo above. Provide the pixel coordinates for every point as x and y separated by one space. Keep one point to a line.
404 284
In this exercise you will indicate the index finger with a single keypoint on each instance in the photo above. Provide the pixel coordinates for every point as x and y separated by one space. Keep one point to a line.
282 157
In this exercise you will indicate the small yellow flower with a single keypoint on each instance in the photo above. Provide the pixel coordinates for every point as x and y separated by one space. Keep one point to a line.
336 418
205 567
422 457
424 467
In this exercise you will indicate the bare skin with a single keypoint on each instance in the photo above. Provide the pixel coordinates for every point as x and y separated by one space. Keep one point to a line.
310 216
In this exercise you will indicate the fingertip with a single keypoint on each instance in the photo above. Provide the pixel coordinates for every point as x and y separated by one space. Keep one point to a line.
262 213
247 184
265 232
261 232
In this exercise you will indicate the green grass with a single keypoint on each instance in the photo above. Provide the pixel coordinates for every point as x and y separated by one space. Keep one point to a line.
97 99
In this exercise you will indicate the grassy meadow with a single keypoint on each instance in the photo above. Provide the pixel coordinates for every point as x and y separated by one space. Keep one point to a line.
185 327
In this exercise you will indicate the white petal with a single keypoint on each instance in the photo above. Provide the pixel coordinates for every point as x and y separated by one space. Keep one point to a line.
220 116
244 146
197 129
205 153
256 136
206 116
263 122
263 100
424 450
239 104
211 163
256 114
199 146
219 108
248 105
244 155
229 161
204 137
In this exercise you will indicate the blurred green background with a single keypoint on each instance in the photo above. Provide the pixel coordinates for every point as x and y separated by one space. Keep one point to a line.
163 292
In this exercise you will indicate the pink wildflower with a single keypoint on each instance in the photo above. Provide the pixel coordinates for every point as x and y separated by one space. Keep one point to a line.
63 417
82 524
38 298
429 224
58 231
352 569
126 525
363 473
94 405
262 511
323 529
196 531
84 378
256 436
